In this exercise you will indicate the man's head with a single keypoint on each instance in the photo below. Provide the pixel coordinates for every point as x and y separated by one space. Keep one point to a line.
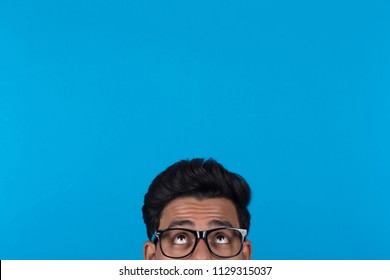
196 209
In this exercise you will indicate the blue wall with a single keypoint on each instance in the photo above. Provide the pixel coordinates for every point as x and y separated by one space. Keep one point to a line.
97 97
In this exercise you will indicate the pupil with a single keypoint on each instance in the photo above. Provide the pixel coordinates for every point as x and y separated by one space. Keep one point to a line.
181 237
220 237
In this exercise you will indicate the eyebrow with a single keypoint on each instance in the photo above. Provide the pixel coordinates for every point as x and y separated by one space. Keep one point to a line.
181 223
216 223
219 223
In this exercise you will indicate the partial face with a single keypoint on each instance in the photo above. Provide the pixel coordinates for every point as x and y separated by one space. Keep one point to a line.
194 214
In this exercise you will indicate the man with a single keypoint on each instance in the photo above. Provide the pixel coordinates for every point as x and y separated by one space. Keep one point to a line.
197 210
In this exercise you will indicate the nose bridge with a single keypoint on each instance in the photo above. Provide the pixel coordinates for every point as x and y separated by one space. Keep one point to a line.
201 251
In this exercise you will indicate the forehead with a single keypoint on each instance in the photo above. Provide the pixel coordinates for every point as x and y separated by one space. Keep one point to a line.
198 214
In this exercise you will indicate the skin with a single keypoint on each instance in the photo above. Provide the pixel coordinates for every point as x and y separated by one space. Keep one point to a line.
191 213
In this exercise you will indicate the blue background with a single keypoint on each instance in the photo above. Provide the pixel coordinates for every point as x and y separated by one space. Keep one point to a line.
97 97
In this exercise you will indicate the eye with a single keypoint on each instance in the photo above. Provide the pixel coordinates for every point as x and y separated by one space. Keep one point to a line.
220 238
180 239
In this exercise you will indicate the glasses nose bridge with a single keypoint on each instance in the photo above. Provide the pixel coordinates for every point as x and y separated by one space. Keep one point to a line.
201 234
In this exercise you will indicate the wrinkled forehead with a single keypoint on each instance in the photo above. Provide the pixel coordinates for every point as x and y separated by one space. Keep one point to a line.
199 214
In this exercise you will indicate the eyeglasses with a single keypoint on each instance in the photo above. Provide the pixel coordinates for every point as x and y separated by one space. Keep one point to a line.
179 243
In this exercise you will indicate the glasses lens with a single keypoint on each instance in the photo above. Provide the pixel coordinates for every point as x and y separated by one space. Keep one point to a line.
225 242
177 243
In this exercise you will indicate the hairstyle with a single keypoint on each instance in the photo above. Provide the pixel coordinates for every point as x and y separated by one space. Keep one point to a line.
197 178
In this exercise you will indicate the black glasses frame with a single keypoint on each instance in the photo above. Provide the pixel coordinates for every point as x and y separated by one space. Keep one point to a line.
199 235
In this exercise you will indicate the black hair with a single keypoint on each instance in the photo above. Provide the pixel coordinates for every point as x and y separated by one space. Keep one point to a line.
197 178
